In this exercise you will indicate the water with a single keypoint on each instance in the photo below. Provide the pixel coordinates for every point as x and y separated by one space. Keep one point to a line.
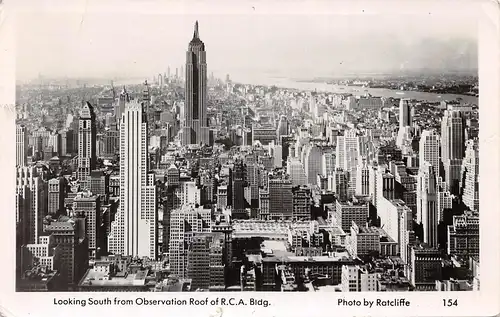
284 82
359 91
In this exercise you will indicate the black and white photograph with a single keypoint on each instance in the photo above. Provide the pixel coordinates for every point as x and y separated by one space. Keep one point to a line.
256 150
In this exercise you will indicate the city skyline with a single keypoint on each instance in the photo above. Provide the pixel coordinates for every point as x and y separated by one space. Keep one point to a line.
300 46
211 188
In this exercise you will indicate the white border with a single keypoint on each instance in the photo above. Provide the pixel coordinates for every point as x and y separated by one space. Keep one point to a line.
483 303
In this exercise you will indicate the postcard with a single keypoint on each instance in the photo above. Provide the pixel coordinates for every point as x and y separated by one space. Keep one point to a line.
303 158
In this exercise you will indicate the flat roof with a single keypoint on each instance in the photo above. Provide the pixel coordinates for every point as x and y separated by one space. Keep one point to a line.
337 257
94 278
274 245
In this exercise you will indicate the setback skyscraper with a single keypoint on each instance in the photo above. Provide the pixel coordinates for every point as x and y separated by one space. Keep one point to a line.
452 147
134 230
195 129
86 144
405 117
21 145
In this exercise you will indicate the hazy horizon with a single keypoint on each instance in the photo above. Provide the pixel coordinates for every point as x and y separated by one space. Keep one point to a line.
130 44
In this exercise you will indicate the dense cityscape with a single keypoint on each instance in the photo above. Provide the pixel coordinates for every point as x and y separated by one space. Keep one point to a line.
187 182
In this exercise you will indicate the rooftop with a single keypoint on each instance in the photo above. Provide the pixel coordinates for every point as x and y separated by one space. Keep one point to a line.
333 257
94 278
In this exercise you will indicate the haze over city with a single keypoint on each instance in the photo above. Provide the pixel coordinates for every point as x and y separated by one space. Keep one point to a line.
305 46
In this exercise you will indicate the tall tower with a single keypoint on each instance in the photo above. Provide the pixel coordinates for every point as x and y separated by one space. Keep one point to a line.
195 129
469 182
452 147
405 118
282 128
21 145
86 144
348 151
146 97
31 206
123 99
429 150
427 209
312 163
134 230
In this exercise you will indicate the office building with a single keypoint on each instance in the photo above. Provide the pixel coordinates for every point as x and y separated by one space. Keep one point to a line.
280 198
134 230
89 207
195 129
452 147
348 151
99 183
339 184
347 212
429 150
86 144
463 235
362 178
57 188
296 171
358 279
469 184
205 261
21 145
363 241
301 203
405 117
282 129
427 206
390 211
32 202
70 236
312 163
425 267
222 196
238 186
185 223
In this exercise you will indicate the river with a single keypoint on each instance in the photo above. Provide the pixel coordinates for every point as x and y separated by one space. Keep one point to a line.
283 82
358 91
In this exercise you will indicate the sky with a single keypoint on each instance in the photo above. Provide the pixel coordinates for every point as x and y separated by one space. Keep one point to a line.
85 41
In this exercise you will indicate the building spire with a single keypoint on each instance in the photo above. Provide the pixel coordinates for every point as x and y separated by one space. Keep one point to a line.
196 34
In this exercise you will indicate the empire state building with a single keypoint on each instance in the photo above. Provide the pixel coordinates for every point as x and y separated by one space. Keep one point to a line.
195 129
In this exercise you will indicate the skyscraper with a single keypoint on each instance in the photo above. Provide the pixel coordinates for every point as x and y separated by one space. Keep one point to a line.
89 207
469 182
429 150
185 223
296 171
239 183
362 178
280 198
405 119
282 128
123 99
348 151
146 97
427 209
312 163
32 202
134 230
452 147
86 144
21 145
195 129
